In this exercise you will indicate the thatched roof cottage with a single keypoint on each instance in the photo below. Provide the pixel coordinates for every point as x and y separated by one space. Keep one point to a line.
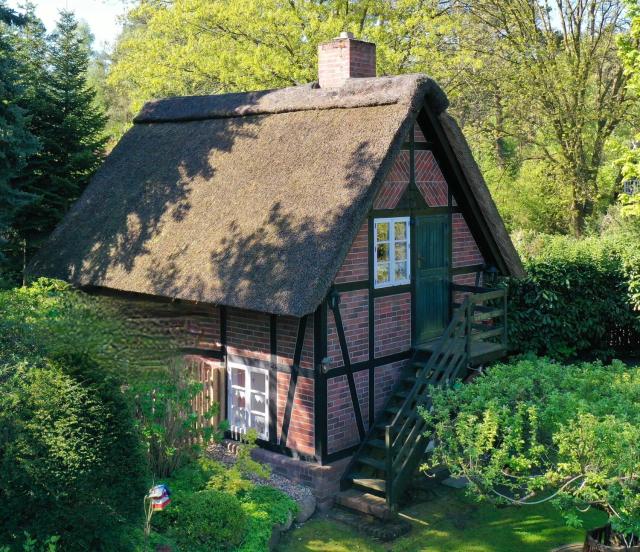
314 243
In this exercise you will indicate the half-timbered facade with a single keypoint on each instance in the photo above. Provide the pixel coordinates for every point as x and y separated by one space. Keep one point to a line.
306 242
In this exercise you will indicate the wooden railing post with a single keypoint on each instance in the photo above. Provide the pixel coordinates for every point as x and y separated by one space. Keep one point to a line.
504 319
388 444
467 327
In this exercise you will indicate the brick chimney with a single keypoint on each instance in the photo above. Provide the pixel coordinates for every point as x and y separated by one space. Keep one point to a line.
343 58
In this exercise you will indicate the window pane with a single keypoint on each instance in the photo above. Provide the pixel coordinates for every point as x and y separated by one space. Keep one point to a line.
382 231
401 251
258 402
383 252
259 424
400 231
239 418
237 398
401 271
237 377
258 382
383 273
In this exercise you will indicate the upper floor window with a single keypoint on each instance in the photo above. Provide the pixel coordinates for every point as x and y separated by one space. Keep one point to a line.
391 251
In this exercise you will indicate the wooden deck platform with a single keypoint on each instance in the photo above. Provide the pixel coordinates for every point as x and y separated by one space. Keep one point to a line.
481 351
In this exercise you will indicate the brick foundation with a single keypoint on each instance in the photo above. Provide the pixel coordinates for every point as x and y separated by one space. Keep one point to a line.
323 480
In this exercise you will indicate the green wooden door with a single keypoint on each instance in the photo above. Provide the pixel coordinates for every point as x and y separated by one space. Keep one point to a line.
432 252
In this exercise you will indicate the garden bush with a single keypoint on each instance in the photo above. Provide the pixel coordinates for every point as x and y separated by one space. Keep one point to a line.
71 462
262 506
579 296
71 459
536 430
207 521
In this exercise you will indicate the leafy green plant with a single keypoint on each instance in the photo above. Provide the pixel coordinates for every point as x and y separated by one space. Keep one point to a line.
263 506
577 296
71 458
536 431
48 544
207 520
171 429
71 461
235 478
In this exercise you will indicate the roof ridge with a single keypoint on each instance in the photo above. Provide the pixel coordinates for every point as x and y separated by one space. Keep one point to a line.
355 93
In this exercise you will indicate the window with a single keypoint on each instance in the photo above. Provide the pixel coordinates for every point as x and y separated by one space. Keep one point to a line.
391 253
248 400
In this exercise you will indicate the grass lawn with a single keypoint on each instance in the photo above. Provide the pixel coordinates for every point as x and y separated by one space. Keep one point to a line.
449 522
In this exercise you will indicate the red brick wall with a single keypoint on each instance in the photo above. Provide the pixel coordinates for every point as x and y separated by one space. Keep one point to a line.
286 334
248 334
430 180
354 310
343 58
355 267
465 249
342 430
300 436
392 315
386 377
395 184
189 325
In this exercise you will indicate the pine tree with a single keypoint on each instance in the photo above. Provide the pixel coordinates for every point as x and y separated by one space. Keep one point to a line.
16 142
68 124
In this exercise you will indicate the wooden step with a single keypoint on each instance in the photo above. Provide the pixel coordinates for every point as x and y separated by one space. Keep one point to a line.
376 443
367 482
364 502
374 462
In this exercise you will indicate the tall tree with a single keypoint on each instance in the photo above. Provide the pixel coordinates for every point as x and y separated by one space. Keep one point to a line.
629 46
566 93
207 46
16 142
65 117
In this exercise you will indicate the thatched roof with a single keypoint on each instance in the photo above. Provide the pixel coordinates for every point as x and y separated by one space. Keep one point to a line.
248 200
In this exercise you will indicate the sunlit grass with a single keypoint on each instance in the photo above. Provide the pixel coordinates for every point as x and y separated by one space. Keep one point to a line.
450 522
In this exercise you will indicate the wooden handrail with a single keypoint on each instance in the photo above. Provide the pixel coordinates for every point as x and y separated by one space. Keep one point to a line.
405 436
402 440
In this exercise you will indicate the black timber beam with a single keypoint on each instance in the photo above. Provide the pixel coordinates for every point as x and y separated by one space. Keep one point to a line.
293 380
346 361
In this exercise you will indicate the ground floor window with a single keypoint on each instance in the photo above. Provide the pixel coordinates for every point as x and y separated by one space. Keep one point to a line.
248 400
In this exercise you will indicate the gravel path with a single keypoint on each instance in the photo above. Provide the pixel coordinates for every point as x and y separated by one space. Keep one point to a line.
225 452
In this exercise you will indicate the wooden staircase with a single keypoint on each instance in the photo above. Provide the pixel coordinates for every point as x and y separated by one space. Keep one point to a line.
397 443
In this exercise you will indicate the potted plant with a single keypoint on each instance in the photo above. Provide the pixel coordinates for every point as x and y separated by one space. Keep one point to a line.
535 431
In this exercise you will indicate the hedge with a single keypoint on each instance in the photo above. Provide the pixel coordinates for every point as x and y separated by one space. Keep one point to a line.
579 297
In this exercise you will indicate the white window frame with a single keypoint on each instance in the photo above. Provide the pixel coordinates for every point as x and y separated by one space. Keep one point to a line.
238 431
392 252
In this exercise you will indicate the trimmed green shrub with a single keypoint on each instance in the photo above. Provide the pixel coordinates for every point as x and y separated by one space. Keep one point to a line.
579 296
264 506
71 462
71 459
207 521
